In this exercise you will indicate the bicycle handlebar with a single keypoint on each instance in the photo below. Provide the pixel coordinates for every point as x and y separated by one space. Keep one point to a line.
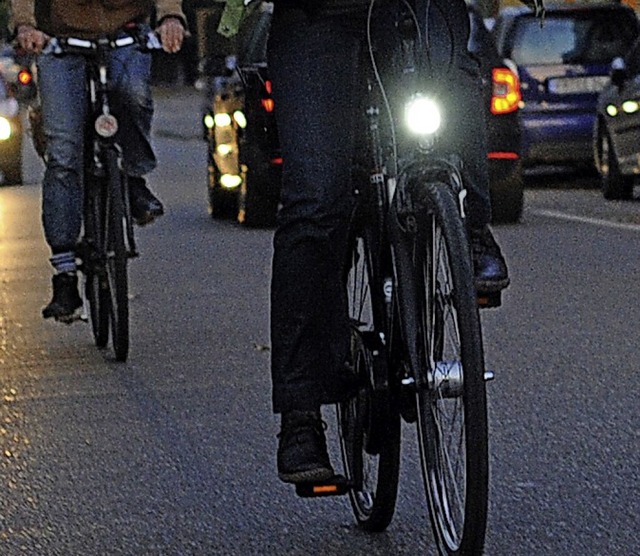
73 45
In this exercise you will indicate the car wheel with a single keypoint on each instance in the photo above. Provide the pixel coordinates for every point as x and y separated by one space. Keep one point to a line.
256 210
259 194
507 193
223 203
12 174
615 185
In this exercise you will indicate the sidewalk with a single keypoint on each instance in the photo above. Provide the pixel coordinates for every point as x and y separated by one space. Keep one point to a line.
178 112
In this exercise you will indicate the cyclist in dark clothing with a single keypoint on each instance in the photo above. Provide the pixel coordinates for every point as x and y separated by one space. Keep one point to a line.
314 54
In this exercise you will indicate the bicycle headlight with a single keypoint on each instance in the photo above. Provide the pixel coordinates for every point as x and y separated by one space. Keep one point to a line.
422 115
5 129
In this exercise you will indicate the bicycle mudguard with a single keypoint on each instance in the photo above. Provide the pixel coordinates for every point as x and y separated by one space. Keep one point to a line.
336 486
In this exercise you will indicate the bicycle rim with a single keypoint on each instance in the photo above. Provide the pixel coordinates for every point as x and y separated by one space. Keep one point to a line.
369 426
117 260
452 418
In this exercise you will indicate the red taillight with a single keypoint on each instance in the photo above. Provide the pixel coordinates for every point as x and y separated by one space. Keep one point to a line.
505 94
503 155
25 77
267 102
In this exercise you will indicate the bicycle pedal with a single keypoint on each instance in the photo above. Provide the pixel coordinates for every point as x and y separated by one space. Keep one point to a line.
336 486
489 300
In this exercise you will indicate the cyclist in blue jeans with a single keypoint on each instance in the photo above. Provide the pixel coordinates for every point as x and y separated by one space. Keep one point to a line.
61 82
313 56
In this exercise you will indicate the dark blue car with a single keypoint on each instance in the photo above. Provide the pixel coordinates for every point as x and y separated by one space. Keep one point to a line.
563 65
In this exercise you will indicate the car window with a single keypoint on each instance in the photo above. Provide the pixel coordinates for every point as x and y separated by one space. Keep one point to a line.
480 39
572 38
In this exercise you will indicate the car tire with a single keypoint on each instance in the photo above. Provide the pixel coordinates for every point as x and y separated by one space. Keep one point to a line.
615 185
507 193
256 210
223 203
259 193
12 175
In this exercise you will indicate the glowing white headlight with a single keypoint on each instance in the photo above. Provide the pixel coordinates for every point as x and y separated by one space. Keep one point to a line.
222 119
240 118
422 115
230 181
5 129
209 121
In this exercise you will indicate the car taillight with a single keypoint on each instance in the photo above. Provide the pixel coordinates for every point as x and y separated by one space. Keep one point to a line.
25 77
505 92
267 102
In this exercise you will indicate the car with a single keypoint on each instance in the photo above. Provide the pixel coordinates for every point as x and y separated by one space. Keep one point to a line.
10 137
502 97
244 159
563 64
617 128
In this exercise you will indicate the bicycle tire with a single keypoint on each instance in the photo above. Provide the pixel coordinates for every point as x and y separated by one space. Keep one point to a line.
117 258
368 422
451 408
96 283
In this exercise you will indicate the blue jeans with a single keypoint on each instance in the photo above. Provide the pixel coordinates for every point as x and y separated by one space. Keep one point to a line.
314 65
64 108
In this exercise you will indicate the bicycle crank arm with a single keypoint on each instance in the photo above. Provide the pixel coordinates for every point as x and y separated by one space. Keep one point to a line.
336 486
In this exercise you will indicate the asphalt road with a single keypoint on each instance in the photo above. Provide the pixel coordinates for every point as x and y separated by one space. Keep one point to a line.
173 453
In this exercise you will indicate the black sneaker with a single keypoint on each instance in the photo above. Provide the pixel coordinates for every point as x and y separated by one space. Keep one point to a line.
302 448
66 305
489 266
145 206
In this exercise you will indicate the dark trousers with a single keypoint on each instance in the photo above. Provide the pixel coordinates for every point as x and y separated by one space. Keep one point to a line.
314 65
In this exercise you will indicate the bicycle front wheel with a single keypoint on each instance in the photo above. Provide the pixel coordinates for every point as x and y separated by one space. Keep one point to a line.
368 422
117 258
96 283
451 404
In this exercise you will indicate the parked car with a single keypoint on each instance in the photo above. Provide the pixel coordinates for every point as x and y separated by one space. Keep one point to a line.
10 137
617 129
244 157
563 65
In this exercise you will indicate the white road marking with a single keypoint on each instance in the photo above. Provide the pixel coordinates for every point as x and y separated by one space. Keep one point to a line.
586 220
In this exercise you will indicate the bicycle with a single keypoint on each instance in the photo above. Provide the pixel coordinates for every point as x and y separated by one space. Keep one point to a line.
416 340
107 241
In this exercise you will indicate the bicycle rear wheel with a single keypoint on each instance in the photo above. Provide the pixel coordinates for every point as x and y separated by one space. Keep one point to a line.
451 406
368 422
117 258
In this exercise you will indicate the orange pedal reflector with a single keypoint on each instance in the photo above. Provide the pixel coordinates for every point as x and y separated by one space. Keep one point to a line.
335 486
489 300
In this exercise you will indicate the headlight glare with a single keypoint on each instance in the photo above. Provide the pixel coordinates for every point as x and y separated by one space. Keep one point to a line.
5 129
422 115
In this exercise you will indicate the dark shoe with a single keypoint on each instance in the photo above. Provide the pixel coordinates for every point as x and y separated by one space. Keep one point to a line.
66 305
302 448
489 266
145 206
